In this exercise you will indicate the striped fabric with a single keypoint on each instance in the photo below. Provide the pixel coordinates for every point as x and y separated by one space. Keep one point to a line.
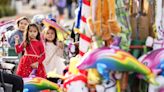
126 30
81 26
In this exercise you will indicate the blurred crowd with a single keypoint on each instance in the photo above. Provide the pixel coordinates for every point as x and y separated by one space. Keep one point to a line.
59 5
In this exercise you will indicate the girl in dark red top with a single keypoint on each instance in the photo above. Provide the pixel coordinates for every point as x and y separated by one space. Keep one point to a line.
34 53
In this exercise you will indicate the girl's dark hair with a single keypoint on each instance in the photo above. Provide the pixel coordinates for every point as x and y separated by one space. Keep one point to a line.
22 18
55 39
26 32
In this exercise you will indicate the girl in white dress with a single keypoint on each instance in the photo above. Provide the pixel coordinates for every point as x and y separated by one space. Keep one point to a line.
54 52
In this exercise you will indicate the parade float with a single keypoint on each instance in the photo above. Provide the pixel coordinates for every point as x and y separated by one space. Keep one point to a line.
113 35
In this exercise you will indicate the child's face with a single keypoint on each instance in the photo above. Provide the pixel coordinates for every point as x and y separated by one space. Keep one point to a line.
33 32
22 24
50 35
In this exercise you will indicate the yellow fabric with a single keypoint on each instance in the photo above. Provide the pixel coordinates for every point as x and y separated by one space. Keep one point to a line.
93 76
118 86
134 7
113 24
104 21
72 66
145 6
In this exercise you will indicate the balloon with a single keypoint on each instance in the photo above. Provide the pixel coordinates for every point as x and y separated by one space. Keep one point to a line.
154 60
106 59
37 84
93 76
72 66
116 42
53 74
157 88
38 18
76 83
107 87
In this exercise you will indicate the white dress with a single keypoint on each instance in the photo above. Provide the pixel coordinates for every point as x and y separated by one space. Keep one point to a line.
53 60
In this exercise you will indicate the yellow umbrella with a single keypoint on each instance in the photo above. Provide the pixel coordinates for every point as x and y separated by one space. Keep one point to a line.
61 32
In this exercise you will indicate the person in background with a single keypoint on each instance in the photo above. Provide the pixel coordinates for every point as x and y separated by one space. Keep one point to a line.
21 24
61 4
4 44
69 7
2 39
33 55
54 52
14 80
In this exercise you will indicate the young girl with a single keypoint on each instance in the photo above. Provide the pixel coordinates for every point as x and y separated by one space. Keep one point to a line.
54 52
34 53
21 24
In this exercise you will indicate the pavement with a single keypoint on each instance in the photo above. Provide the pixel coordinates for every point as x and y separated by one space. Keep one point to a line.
29 12
26 10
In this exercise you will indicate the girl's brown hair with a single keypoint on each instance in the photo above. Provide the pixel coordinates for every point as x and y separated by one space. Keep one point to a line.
22 18
55 39
26 39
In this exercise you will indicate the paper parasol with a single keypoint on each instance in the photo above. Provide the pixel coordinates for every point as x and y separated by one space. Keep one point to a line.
60 30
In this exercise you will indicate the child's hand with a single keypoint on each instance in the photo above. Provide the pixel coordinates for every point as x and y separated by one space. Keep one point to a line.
60 44
25 43
16 39
34 65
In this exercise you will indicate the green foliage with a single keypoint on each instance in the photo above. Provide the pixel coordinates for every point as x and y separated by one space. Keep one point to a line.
6 10
2 12
5 2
